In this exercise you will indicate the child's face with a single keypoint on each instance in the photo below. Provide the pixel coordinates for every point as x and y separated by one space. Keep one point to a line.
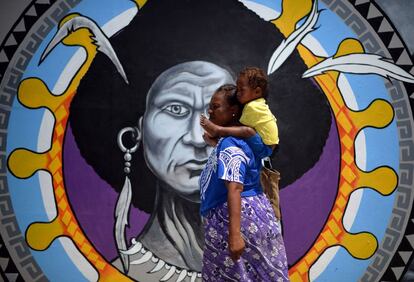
244 92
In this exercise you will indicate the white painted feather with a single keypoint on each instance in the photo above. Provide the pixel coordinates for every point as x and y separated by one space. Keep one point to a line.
288 45
100 40
121 214
361 64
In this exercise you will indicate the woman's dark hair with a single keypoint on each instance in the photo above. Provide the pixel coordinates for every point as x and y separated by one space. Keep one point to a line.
230 92
165 33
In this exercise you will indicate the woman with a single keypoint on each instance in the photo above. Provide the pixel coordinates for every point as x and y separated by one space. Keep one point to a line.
243 241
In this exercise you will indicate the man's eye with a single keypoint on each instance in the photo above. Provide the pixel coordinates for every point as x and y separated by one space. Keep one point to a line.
177 110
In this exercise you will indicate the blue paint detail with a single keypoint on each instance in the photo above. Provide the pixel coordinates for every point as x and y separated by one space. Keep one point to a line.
372 217
366 88
56 265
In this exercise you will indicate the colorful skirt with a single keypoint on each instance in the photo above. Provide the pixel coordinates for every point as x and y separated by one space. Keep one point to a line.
263 259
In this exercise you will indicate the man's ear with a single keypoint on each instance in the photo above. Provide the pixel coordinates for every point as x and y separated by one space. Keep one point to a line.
139 127
140 123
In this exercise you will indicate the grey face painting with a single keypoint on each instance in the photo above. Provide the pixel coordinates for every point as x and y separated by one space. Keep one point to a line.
172 137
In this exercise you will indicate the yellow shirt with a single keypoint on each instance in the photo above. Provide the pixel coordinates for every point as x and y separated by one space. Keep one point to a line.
256 114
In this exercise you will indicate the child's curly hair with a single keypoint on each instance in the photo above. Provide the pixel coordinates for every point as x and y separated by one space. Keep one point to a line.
256 78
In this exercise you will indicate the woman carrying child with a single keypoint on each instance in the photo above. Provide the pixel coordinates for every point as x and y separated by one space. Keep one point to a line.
243 241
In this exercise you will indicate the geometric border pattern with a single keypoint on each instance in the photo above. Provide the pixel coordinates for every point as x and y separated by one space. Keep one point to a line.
20 46
365 18
19 30
10 44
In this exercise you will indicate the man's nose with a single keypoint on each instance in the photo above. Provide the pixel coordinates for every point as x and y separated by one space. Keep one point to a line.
194 135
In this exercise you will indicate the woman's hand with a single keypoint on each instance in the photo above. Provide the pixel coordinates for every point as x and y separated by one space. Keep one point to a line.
210 140
236 242
236 246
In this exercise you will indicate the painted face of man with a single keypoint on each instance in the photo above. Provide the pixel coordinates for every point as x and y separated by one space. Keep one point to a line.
172 136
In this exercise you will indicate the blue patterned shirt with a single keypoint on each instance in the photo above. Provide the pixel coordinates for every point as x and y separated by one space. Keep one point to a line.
231 160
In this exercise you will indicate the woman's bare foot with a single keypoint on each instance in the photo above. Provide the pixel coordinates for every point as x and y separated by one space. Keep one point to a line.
211 128
210 140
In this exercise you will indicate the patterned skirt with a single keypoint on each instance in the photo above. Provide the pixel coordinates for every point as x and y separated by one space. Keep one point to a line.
264 258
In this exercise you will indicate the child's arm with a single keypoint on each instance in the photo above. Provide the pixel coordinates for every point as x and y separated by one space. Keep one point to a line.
220 131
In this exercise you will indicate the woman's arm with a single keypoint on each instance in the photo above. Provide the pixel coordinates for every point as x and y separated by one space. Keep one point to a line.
235 240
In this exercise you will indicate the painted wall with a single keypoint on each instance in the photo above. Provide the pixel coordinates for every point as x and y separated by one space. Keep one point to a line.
95 91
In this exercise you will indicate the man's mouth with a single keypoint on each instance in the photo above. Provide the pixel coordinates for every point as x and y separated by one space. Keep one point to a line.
195 173
195 167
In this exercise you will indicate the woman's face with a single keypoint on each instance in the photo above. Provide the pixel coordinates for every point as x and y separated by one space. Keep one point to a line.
220 112
172 136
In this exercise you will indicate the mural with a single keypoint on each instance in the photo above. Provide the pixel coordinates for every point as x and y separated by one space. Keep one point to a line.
102 147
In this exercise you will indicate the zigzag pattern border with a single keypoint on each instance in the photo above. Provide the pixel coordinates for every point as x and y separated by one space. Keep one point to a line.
19 30
389 35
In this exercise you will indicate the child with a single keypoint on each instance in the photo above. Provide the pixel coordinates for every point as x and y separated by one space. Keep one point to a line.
251 92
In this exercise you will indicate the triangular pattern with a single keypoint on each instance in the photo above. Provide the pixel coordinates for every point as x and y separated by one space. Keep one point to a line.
12 277
405 256
386 37
398 271
11 41
410 239
376 22
30 21
20 27
4 262
363 8
42 2
25 22
3 57
404 59
373 12
395 42
359 2
385 26
19 36
32 12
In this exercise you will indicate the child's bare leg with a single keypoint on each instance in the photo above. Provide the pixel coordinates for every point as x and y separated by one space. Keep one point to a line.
211 128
